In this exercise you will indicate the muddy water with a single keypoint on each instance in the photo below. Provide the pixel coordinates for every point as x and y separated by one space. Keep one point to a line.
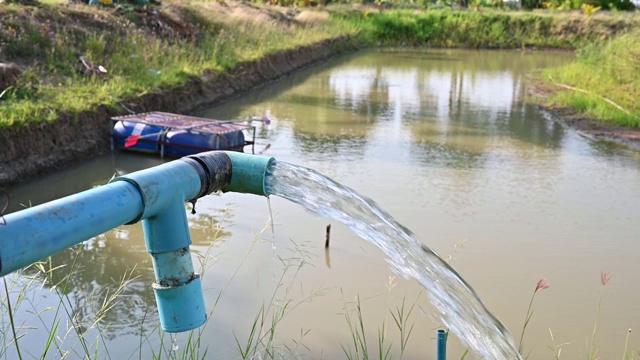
445 142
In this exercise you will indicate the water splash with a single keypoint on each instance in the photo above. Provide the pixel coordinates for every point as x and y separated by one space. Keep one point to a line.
273 230
460 308
174 342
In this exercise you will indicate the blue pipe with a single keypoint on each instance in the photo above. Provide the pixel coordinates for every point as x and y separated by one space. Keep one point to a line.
441 346
156 196
41 231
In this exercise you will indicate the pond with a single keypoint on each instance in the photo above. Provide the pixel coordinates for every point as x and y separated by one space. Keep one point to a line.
443 140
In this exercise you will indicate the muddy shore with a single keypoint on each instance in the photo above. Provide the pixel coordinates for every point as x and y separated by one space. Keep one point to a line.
540 92
593 129
31 151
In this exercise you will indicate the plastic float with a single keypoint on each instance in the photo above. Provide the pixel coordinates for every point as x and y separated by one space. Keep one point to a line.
175 135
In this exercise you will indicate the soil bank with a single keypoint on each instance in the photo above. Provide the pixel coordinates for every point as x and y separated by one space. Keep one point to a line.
30 151
540 93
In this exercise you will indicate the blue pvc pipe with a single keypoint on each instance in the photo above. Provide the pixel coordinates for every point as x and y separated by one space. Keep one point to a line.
41 231
177 287
161 185
156 196
178 291
441 346
248 173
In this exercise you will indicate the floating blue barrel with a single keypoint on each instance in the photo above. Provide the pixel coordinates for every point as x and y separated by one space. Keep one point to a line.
149 139
179 143
177 135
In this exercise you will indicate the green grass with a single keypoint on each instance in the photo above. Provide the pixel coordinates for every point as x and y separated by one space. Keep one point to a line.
141 59
138 61
604 82
493 28
22 307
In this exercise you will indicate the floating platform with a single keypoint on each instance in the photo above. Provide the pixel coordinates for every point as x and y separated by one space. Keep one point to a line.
175 135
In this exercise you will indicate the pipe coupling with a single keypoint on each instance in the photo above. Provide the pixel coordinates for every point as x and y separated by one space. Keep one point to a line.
214 169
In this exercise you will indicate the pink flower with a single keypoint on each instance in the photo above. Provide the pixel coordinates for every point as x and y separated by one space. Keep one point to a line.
605 276
541 285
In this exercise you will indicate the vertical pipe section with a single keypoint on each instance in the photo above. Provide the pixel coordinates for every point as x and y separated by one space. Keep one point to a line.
177 288
441 346
41 231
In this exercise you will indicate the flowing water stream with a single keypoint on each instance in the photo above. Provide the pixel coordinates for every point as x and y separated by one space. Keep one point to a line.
460 308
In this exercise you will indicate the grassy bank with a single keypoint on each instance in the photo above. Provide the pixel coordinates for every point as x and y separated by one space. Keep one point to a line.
146 50
141 50
604 82
496 29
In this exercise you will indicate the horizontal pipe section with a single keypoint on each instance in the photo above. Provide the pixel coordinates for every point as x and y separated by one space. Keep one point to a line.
36 233
41 231
159 186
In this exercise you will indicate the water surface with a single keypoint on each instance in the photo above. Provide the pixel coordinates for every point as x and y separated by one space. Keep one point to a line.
445 142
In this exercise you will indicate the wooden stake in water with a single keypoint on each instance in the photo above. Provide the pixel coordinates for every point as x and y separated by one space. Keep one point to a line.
328 237
327 255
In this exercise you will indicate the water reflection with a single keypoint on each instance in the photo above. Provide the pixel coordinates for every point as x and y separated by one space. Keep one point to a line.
98 268
101 265
460 104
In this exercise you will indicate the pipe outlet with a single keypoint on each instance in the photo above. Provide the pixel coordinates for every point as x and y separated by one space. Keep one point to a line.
248 173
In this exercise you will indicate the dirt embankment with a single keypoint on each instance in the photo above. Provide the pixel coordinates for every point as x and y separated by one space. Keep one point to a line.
595 129
30 151
541 92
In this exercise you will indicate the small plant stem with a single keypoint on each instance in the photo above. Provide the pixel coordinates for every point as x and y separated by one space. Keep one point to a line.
13 325
626 344
592 352
526 322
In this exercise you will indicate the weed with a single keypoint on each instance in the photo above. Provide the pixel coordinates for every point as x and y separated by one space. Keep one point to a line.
605 277
487 29
625 356
400 317
10 311
556 348
75 338
602 82
541 285
358 348
261 341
